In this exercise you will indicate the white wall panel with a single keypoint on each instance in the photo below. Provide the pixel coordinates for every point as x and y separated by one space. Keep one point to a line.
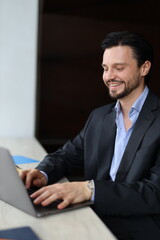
18 53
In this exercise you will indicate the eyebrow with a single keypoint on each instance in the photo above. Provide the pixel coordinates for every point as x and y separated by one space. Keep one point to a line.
115 64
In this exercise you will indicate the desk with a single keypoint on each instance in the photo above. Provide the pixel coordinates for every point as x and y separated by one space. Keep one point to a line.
80 224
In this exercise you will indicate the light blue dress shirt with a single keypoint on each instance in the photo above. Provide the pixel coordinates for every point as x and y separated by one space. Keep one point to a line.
122 136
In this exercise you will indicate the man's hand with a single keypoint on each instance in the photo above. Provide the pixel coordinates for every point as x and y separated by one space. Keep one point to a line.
33 177
70 192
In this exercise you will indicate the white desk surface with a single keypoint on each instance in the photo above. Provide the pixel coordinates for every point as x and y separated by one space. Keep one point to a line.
80 224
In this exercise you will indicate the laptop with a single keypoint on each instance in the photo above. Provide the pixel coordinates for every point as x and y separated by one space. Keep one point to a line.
13 191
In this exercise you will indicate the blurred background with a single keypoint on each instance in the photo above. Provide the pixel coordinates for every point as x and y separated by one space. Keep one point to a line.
50 62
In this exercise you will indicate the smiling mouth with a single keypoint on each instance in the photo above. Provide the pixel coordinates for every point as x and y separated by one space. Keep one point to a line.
114 83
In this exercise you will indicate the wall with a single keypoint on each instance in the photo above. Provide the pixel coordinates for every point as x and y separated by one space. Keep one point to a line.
18 53
70 82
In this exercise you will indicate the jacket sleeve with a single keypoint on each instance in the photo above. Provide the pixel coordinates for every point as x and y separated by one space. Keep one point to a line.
65 160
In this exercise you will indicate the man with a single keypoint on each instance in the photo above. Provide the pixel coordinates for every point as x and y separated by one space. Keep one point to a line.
119 148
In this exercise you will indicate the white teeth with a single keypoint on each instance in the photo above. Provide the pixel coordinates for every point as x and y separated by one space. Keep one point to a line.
114 84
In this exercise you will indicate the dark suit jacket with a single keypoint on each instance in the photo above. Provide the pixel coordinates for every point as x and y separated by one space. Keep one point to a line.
130 205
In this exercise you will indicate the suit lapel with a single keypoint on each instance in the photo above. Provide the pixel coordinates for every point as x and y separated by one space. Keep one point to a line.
143 123
106 147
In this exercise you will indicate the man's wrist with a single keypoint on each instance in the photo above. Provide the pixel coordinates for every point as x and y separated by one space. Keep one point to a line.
45 174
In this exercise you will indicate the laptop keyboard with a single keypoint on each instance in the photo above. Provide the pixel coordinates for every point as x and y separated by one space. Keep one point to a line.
32 190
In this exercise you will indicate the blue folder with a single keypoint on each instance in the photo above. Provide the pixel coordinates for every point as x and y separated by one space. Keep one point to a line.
21 159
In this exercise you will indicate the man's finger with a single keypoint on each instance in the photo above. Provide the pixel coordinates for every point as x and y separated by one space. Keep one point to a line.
42 196
37 193
39 182
29 178
63 204
22 174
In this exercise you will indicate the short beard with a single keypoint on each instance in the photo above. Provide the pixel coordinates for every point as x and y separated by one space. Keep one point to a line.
128 89
123 94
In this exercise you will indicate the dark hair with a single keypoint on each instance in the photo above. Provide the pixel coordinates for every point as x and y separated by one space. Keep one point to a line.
142 50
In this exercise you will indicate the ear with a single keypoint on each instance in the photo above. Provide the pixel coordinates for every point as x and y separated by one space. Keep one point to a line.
145 68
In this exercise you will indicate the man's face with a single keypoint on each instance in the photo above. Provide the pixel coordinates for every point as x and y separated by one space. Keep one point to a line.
121 72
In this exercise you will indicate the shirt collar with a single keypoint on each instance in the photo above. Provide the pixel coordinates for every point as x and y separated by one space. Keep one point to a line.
137 105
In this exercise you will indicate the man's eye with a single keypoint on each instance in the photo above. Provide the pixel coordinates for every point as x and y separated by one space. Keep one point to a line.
120 68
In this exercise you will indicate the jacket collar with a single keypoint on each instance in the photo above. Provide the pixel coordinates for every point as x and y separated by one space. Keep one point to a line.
144 121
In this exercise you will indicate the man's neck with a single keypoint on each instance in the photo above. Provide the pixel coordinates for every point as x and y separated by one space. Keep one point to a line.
127 102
